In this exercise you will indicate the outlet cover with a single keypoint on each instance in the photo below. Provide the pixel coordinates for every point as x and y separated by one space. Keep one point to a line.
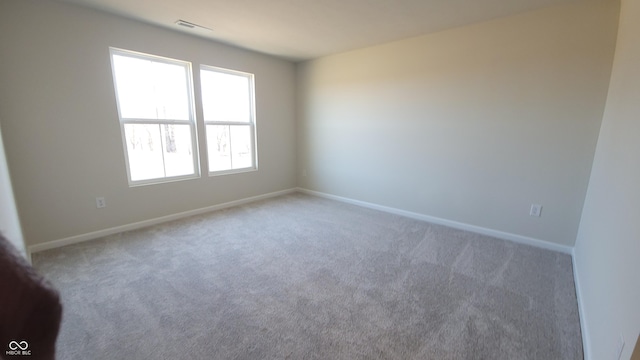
536 210
101 202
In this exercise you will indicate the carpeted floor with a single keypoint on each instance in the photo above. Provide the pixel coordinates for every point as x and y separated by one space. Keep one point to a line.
300 277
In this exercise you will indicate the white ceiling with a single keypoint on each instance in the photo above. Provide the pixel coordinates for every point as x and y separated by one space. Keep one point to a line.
306 29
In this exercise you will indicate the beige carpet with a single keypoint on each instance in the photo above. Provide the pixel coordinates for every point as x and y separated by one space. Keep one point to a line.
299 277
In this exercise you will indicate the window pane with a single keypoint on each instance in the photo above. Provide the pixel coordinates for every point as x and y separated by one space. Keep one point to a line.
241 147
177 150
225 97
219 147
148 89
158 150
144 148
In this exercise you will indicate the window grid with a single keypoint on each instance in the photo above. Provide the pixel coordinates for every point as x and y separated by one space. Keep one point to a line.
250 123
128 122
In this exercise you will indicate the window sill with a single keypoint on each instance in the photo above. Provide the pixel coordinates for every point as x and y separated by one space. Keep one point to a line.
234 171
162 180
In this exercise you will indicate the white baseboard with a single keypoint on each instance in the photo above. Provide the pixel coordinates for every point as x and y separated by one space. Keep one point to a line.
432 219
146 223
584 329
454 224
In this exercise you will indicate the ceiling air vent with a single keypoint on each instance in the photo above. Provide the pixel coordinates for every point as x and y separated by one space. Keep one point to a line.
190 25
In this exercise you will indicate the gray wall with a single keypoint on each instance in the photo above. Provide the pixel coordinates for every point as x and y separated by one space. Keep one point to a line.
61 129
472 124
607 252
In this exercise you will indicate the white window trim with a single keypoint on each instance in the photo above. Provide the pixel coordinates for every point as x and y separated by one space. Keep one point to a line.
251 123
191 122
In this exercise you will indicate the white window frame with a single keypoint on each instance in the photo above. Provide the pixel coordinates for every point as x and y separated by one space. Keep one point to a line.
191 122
251 123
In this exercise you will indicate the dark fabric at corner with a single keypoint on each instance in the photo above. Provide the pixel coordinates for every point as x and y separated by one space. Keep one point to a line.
30 309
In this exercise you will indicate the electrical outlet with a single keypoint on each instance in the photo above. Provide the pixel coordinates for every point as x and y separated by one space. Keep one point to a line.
101 202
620 347
536 210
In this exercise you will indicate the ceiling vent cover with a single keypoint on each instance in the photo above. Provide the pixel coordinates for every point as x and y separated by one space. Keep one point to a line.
190 25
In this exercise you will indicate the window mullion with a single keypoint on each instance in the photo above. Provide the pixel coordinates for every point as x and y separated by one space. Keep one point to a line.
156 121
211 122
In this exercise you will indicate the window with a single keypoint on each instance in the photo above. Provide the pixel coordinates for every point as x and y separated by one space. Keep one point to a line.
155 105
229 118
157 118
